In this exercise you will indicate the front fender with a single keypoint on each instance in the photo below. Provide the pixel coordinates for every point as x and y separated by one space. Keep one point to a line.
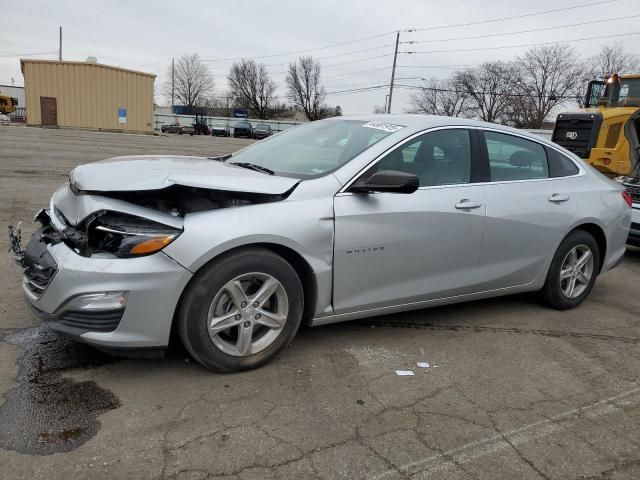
304 226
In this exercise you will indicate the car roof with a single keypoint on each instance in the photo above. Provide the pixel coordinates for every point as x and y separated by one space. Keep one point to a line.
417 122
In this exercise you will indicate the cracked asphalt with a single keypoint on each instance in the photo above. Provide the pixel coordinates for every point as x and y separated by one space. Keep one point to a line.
514 391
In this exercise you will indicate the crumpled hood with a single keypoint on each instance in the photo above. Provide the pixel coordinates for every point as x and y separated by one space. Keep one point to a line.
154 172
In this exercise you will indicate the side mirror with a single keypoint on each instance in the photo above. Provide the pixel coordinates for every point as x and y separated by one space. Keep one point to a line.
391 181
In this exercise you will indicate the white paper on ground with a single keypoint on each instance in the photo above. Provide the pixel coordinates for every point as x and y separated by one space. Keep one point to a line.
404 373
423 364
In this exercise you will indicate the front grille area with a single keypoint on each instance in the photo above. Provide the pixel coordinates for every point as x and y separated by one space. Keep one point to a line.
577 133
39 265
37 280
92 321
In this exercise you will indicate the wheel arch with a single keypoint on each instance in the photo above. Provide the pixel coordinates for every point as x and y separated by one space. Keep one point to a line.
597 232
302 267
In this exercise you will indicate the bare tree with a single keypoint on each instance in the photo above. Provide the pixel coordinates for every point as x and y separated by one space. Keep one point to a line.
543 78
251 87
378 109
440 97
612 59
304 87
488 87
193 84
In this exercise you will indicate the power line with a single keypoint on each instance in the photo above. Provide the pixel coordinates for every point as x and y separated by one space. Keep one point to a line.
524 44
356 61
303 51
342 76
360 84
32 54
480 92
501 19
434 66
359 90
337 55
522 31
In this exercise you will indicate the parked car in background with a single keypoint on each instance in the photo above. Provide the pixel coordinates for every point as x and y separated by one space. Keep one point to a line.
220 130
242 129
187 129
4 119
334 220
171 128
262 130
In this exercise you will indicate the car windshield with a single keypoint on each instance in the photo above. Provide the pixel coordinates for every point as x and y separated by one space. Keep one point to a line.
242 125
315 148
220 125
262 126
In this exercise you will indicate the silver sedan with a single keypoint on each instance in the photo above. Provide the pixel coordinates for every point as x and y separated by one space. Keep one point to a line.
329 221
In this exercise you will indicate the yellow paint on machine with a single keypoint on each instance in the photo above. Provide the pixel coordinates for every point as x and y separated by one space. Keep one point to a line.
87 95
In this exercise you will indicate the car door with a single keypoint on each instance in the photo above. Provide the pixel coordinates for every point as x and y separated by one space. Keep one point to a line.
528 209
393 248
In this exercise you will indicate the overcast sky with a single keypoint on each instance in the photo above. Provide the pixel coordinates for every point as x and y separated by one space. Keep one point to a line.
145 35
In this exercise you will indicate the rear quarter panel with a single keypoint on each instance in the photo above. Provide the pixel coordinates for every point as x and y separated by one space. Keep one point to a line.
600 202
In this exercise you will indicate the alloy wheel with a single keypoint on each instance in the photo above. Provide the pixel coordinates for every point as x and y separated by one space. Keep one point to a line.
247 314
576 271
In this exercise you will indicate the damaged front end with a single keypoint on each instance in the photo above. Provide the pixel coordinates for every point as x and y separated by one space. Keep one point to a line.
37 263
123 224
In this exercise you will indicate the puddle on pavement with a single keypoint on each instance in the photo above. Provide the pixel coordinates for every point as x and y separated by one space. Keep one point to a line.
46 413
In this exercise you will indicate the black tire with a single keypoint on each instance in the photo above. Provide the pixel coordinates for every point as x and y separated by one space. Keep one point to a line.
552 292
208 281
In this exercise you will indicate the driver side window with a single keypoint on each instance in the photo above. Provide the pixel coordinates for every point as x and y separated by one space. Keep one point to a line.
437 158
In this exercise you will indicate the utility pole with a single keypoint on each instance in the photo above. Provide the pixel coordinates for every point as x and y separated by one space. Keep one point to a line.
173 80
60 46
393 73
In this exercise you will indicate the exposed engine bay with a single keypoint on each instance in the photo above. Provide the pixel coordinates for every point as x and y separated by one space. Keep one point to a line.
112 233
179 200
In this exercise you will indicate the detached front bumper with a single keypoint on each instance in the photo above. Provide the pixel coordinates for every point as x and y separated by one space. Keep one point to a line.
152 286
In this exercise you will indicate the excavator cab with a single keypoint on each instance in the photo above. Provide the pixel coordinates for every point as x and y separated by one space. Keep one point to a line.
8 104
606 129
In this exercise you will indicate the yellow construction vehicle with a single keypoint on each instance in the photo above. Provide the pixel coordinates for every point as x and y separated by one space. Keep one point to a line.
8 104
606 131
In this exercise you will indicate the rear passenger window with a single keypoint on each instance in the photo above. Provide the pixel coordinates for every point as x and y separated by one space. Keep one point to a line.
560 165
515 158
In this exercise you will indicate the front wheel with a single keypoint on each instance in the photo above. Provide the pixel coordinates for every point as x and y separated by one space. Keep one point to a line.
240 311
573 271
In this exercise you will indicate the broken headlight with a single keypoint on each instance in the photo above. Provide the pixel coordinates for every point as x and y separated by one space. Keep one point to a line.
128 235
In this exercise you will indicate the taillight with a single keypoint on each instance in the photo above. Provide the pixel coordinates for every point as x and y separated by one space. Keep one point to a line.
627 198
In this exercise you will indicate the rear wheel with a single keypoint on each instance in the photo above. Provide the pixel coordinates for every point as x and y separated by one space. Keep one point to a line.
573 271
239 312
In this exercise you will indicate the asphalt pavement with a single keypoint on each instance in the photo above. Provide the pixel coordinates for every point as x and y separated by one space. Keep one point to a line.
513 390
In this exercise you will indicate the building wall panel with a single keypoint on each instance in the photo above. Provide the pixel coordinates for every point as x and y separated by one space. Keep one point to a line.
89 95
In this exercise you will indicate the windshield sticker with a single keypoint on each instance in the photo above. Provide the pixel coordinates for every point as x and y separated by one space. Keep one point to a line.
386 127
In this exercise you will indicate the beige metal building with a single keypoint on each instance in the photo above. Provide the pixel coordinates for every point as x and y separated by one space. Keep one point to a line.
87 95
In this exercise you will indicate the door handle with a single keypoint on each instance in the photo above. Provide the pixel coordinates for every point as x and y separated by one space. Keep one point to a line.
465 204
558 198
